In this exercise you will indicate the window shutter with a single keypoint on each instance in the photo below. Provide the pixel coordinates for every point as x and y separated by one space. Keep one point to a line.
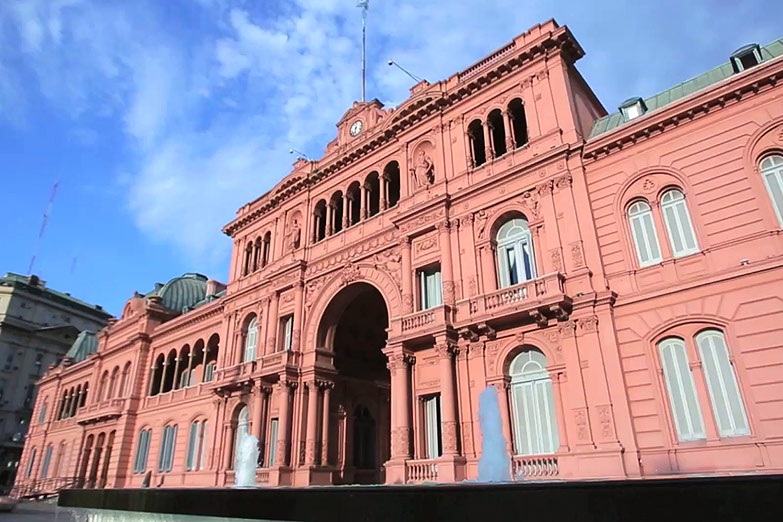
203 444
772 171
272 442
682 390
192 441
722 385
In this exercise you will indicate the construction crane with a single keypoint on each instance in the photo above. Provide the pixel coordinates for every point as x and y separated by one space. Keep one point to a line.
43 227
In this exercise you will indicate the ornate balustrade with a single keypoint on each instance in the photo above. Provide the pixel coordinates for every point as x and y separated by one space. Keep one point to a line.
274 362
424 322
104 410
423 470
43 487
535 467
538 298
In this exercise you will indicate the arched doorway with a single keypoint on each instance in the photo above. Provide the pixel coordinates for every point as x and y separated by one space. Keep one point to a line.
353 328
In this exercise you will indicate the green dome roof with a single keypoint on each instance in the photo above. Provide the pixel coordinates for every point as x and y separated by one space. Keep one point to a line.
85 345
181 293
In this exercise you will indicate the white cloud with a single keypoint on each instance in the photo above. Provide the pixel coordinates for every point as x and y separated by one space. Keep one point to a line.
212 96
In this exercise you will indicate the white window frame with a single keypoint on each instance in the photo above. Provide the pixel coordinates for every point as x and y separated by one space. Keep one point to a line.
432 429
46 460
243 430
645 237
167 446
209 371
430 288
679 226
680 385
142 451
251 340
193 435
515 255
533 405
273 428
771 169
42 413
30 464
287 325
728 407
184 379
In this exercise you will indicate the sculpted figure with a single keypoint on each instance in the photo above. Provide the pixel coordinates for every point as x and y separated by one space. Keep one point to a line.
295 236
423 171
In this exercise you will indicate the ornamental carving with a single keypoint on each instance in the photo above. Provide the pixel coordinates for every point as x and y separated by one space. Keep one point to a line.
481 222
352 253
531 202
566 329
400 441
445 350
605 419
466 221
423 170
449 436
564 181
423 220
580 418
390 261
545 188
587 324
648 185
576 254
349 274
311 289
780 135
557 260
426 244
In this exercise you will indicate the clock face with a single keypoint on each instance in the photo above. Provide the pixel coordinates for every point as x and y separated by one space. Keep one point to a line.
356 128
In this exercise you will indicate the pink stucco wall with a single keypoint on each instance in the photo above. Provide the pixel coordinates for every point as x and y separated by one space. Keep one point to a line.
592 311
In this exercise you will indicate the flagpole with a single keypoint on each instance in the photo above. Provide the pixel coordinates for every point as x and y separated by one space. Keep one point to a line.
364 4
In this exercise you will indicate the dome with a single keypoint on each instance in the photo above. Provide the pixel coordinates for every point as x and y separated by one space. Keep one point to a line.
183 292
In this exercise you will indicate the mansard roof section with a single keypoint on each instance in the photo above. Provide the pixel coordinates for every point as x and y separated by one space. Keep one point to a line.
683 90
426 99
86 344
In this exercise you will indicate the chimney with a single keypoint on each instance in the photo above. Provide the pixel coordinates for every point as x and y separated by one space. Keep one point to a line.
212 287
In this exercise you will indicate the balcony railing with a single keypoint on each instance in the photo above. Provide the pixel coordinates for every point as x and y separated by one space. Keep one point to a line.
534 467
425 320
418 471
42 487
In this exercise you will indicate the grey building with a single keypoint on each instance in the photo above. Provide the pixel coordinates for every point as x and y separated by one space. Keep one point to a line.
38 326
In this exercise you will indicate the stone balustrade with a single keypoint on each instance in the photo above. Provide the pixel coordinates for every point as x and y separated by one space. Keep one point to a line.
423 470
534 467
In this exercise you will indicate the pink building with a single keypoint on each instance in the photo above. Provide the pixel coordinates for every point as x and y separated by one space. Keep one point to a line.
617 278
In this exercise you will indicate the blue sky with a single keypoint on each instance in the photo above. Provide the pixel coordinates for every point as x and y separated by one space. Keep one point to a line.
159 118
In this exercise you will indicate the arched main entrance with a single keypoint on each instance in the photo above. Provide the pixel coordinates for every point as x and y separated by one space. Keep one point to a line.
353 328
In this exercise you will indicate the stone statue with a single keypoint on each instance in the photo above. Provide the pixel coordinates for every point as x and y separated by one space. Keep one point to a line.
423 171
295 236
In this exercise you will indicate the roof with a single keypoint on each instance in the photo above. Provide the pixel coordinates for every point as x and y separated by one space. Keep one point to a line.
682 90
183 292
86 344
35 284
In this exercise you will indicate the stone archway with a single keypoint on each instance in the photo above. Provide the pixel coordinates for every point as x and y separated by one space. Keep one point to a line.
353 330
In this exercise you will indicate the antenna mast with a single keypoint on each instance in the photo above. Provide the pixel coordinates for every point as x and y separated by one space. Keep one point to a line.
43 227
364 5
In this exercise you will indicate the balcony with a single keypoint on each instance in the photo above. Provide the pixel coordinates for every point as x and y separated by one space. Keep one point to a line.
539 299
424 322
423 470
102 411
273 363
542 467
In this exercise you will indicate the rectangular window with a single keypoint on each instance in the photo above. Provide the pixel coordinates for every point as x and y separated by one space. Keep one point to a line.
287 325
30 463
272 442
42 414
46 460
142 451
432 426
430 288
202 445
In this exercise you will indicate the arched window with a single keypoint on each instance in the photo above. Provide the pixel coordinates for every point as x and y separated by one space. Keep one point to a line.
722 384
142 451
372 185
336 206
46 461
257 248
771 169
125 381
354 203
533 404
516 113
516 262
104 386
319 221
681 389
59 463
497 132
251 339
682 238
197 440
392 174
113 382
477 145
645 238
30 464
248 259
42 412
243 421
266 247
168 442
83 399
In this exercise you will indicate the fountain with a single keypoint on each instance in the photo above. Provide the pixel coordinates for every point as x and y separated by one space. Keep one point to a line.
495 463
246 462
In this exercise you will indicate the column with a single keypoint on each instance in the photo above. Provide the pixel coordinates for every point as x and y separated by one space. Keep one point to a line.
407 290
488 268
283 420
190 367
363 209
258 413
204 362
296 335
384 191
505 415
400 404
471 156
510 138
162 375
557 392
316 220
312 422
271 325
327 388
175 383
448 398
487 141
329 219
346 211
228 445
447 273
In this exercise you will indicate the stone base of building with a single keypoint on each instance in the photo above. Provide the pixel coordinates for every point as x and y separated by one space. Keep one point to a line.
313 476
